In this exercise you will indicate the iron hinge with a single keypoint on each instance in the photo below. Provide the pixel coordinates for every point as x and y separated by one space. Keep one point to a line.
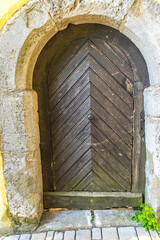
142 124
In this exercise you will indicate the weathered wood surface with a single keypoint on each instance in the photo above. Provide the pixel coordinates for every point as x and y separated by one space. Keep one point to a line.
138 174
76 90
88 200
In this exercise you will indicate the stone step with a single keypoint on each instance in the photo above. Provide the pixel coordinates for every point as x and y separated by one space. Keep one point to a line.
111 233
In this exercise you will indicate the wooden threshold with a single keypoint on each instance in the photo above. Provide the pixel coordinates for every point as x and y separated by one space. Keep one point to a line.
91 200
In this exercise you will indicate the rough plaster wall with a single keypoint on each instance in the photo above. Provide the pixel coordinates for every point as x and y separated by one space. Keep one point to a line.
143 28
113 9
152 110
19 121
22 39
5 220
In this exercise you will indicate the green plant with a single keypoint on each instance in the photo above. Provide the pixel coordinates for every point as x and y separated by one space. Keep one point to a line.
146 215
92 215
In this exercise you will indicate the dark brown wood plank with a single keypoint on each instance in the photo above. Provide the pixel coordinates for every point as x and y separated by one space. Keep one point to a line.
73 158
112 148
100 124
78 171
92 187
91 200
74 119
139 153
113 111
70 110
68 69
115 58
120 53
111 95
103 186
112 123
70 96
71 148
84 182
99 157
106 177
112 69
41 88
116 169
67 83
111 82
71 135
62 58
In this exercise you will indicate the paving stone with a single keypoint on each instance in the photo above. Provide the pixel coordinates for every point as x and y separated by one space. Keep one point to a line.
109 233
127 233
38 236
65 220
13 237
25 237
58 236
142 234
114 217
83 235
49 235
96 233
69 235
154 235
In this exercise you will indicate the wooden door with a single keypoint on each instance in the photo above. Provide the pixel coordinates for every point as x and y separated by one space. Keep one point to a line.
91 91
91 103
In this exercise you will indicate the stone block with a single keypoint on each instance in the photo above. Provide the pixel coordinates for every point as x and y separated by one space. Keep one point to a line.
24 188
83 234
13 237
63 220
107 218
154 235
12 114
109 233
19 122
38 236
25 237
69 235
115 10
49 235
142 234
152 187
96 233
58 236
126 233
152 101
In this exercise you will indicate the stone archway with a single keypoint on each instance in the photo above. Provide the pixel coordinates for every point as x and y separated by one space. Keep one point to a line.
22 39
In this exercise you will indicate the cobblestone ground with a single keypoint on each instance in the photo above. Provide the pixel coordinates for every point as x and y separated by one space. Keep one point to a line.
111 233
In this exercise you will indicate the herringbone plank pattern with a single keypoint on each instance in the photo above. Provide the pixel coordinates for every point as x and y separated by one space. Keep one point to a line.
92 155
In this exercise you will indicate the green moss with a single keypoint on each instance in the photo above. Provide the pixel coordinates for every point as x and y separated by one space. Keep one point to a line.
24 224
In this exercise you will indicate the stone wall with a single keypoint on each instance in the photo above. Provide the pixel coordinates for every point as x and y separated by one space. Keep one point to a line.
22 39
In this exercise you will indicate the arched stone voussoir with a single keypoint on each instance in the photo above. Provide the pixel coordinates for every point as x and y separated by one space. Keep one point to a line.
109 13
127 16
21 40
75 11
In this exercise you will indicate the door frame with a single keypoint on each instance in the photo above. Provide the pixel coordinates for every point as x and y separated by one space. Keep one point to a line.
141 80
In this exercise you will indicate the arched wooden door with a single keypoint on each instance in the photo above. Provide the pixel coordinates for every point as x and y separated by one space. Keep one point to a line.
95 84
